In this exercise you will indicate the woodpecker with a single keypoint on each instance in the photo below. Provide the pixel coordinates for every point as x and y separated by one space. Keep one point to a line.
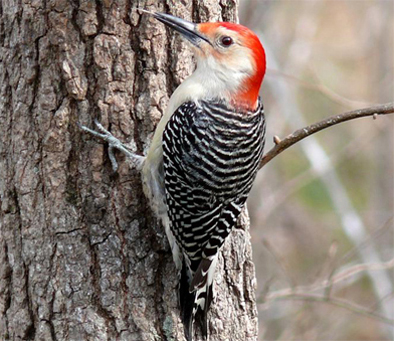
205 153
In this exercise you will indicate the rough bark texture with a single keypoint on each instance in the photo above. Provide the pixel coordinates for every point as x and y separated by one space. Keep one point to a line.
81 256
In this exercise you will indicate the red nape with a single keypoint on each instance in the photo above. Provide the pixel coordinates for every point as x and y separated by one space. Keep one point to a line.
251 87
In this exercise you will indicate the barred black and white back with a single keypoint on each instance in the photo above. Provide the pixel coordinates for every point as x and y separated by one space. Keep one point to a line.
211 154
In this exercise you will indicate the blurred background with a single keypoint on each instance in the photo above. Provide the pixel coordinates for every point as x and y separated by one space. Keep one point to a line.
325 205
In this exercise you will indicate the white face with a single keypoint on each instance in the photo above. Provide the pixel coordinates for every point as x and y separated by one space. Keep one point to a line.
224 64
227 62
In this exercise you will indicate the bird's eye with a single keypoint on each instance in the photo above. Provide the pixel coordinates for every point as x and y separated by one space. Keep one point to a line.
226 41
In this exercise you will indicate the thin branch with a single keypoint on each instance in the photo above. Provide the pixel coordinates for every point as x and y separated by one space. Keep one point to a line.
303 292
340 277
300 134
339 303
361 268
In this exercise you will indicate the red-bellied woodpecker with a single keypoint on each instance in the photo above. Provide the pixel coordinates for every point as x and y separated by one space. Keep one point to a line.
205 153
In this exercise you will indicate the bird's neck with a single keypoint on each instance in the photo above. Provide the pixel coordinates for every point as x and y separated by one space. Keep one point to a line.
247 96
205 84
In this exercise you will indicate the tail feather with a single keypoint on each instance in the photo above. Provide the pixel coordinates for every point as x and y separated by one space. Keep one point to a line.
200 278
205 299
196 295
186 300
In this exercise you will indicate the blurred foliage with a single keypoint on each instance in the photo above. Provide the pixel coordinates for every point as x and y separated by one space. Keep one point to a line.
324 58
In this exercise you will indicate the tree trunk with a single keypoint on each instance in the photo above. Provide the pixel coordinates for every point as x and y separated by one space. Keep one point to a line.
81 255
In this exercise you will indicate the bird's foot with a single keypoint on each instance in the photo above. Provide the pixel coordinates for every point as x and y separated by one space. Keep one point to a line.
114 143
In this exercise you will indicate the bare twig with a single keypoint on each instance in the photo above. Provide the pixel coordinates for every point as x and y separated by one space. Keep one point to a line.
300 134
360 268
342 276
345 304
329 265
303 292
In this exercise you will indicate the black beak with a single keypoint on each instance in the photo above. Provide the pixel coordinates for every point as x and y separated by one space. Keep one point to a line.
186 28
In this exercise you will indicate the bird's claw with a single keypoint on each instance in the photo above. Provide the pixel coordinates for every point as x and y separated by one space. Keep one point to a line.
113 143
101 128
103 133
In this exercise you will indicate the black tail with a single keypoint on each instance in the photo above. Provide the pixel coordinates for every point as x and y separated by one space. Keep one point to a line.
186 300
195 296
201 313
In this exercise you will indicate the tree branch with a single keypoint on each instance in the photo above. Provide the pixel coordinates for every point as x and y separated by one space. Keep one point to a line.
302 133
345 304
340 277
303 293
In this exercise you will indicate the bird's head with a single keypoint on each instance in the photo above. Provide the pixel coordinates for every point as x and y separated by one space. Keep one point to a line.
230 58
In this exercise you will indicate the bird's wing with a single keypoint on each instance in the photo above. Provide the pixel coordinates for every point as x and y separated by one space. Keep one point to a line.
210 158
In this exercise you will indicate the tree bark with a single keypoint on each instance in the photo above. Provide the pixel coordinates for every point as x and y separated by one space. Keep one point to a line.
81 255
